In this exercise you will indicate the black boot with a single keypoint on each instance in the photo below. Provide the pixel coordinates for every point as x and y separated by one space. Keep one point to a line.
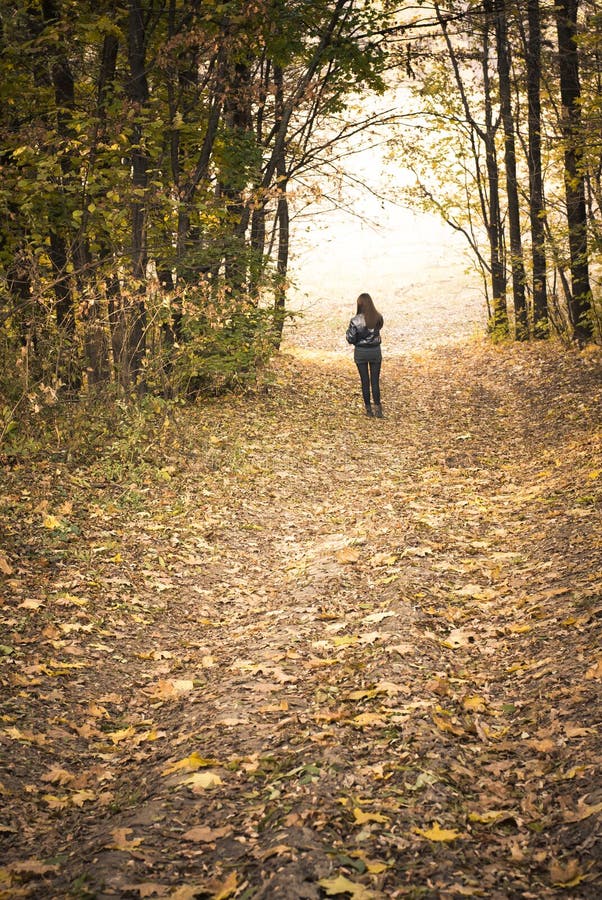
378 411
369 412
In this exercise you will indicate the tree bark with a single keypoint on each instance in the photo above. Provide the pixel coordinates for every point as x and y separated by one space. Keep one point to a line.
139 96
536 197
574 181
283 217
516 252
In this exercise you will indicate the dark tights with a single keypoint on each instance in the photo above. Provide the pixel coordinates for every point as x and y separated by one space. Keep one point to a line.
370 376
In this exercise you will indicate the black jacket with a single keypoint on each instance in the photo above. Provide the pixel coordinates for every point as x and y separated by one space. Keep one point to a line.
360 335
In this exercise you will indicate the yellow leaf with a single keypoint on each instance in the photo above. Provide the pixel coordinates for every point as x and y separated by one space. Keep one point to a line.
383 559
346 640
188 892
227 888
5 566
375 867
55 802
170 689
474 704
191 763
492 816
202 781
348 555
122 735
438 834
362 695
342 885
52 523
446 725
365 720
362 817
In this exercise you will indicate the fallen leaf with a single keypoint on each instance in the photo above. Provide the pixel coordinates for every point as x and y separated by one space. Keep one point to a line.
57 775
168 689
594 671
362 817
191 763
366 720
31 867
55 802
583 811
121 842
566 874
202 781
546 745
348 555
52 523
122 735
474 704
227 888
149 889
342 885
383 559
204 835
438 834
5 566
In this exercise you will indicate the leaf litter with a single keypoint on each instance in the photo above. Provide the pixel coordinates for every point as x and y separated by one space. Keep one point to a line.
326 656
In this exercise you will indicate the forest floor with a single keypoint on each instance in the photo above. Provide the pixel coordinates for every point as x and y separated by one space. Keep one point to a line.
290 652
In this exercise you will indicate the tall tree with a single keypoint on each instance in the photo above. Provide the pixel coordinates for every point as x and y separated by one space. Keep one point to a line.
536 196
580 300
516 252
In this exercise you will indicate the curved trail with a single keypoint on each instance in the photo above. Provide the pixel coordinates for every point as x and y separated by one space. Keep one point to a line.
324 654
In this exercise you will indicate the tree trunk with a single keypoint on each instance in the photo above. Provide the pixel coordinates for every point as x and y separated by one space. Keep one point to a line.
570 93
491 215
139 95
536 199
283 217
516 251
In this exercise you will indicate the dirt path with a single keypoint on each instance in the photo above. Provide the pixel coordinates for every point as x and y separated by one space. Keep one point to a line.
301 654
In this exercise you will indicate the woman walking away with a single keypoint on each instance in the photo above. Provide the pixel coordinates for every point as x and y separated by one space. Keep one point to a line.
364 334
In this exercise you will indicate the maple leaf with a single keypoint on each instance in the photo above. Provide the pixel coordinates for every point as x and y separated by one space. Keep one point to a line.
567 874
31 867
204 835
189 764
170 689
438 834
121 735
226 889
121 842
367 720
348 555
202 781
342 885
362 817
594 671
57 775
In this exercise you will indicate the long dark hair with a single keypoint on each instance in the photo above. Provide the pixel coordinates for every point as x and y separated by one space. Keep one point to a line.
365 306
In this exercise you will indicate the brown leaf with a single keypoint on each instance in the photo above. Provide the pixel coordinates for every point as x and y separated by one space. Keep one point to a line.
121 842
204 835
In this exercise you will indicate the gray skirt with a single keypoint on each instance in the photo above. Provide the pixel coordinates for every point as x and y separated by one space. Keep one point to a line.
367 354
